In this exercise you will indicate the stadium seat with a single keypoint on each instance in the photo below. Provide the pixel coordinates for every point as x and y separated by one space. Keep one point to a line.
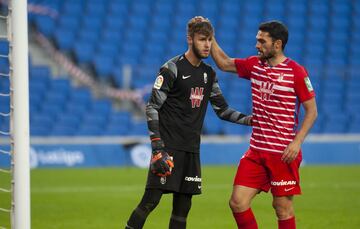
64 38
46 25
138 128
103 65
73 8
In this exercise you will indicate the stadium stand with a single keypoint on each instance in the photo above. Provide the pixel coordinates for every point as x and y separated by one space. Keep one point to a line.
324 36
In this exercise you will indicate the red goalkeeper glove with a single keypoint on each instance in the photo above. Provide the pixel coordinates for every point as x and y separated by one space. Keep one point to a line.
161 163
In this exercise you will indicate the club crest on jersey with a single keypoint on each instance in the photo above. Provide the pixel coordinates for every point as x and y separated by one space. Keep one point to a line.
205 77
158 82
196 96
266 90
163 180
281 77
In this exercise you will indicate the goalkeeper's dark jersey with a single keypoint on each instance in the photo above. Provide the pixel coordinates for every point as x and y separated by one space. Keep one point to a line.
178 103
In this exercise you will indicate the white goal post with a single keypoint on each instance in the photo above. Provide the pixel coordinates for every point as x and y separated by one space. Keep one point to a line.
19 124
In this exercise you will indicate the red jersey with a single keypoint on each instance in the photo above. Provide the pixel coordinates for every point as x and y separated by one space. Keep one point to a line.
275 93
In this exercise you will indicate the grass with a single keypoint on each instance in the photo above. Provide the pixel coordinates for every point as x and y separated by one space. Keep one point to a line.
105 197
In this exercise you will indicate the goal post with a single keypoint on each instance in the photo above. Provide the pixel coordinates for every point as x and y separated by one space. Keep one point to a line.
19 124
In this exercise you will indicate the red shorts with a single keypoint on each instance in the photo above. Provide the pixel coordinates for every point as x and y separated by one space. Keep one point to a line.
266 170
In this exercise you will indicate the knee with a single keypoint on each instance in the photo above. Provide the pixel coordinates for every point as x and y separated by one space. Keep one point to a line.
283 210
151 205
239 204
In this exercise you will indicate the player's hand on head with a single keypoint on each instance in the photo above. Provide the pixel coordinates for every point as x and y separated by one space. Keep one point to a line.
200 19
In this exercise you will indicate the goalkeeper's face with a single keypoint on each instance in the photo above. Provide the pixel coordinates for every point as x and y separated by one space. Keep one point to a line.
265 45
200 44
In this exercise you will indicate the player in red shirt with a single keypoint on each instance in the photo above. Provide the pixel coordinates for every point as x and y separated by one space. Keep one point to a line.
279 85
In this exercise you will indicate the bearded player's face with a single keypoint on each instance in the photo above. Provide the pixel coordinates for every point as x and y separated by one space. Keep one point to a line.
201 45
265 46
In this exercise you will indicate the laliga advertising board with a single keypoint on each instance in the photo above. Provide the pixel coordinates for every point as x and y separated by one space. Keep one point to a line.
89 156
102 155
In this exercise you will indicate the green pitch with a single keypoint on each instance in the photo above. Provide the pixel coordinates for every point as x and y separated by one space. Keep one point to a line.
104 198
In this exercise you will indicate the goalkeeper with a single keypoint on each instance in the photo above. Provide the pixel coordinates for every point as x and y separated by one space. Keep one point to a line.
175 115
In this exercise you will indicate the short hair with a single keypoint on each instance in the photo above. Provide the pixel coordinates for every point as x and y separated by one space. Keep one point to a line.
199 25
277 31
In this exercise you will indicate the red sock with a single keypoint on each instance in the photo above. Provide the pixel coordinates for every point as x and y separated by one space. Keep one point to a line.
245 220
287 224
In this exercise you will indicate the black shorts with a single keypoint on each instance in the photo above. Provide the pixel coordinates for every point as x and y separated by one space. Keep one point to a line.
185 176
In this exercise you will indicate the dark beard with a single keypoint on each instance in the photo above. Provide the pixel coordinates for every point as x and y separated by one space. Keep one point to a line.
197 52
270 55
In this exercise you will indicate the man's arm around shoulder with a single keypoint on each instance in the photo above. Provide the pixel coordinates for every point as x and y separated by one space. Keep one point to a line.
222 60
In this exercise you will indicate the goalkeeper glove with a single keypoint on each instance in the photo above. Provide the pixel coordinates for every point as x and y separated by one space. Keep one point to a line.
161 163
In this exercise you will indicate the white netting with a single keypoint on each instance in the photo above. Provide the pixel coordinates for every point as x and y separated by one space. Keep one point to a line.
5 111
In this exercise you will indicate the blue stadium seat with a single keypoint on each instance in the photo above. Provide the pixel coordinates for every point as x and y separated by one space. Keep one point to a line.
96 8
336 123
341 8
101 106
77 108
74 8
112 36
63 131
56 97
138 128
334 128
95 119
103 65
39 71
4 47
109 49
41 119
80 96
88 36
39 130
354 123
319 8
5 104
84 51
234 129
90 22
46 25
296 8
69 22
118 8
4 65
115 22
212 124
89 130
61 85
51 109
318 22
64 38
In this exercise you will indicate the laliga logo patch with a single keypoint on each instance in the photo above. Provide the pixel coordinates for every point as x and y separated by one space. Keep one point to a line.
205 77
308 84
158 82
